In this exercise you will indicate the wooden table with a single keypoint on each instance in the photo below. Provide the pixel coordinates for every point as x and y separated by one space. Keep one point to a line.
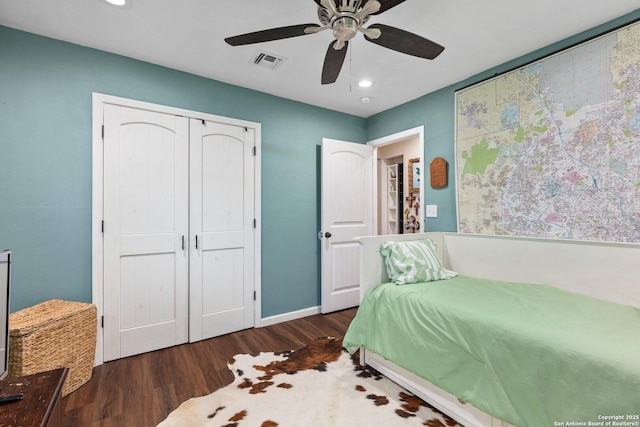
41 403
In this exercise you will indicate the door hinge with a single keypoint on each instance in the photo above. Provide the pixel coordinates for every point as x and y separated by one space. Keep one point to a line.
255 151
254 295
103 132
102 227
255 223
204 123
102 321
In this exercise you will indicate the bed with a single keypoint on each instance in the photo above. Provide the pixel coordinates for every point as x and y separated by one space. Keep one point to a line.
531 332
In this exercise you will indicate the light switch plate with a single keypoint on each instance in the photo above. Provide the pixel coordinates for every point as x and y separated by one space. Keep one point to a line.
432 211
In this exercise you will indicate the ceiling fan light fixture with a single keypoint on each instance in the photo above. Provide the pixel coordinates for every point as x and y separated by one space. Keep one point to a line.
345 28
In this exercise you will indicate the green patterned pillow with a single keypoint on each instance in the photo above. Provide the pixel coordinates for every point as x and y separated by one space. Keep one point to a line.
413 262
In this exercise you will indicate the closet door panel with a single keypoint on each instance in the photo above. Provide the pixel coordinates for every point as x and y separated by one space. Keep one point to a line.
223 180
222 291
222 196
145 217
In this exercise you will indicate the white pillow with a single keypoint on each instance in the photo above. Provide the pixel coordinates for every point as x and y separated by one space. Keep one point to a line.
413 262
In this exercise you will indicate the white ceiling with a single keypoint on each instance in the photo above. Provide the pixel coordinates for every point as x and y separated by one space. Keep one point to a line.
188 35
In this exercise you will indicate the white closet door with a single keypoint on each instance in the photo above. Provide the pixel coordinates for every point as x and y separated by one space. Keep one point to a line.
146 160
221 229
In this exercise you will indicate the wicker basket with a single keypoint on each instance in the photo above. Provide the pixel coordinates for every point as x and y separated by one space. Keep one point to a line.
51 335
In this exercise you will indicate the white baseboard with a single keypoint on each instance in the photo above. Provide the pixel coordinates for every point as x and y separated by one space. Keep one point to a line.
285 317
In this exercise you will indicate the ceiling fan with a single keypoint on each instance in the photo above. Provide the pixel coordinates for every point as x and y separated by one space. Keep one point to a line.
346 18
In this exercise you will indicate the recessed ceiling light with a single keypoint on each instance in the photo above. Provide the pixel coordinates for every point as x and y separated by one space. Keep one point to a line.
365 99
365 83
118 3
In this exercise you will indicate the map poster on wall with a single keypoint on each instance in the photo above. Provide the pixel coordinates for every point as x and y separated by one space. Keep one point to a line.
552 149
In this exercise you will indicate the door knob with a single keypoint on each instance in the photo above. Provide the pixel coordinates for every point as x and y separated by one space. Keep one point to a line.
321 235
327 234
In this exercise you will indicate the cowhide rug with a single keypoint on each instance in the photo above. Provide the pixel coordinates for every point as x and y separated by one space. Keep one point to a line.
317 385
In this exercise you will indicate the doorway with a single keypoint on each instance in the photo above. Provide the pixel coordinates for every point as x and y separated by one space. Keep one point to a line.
360 216
398 185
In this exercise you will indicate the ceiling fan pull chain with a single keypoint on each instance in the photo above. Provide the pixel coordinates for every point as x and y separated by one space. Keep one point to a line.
350 67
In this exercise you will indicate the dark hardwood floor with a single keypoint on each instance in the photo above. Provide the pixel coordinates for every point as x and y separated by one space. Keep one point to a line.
142 390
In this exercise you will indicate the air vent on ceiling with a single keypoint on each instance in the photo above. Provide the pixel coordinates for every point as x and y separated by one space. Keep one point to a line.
267 60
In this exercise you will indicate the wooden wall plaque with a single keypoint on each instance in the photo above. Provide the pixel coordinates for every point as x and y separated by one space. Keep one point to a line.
438 169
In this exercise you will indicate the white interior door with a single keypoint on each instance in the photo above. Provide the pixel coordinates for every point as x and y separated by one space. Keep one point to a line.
145 224
222 229
347 212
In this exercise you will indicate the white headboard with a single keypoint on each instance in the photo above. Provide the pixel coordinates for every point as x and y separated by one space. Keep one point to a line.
608 271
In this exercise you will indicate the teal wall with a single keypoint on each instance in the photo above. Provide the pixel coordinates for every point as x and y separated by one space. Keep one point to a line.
45 160
45 165
435 112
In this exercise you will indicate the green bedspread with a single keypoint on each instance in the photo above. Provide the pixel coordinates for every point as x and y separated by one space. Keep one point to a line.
531 355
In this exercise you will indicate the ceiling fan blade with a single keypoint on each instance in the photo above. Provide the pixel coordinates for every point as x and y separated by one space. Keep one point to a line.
370 7
269 35
333 63
386 5
330 5
319 2
405 42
